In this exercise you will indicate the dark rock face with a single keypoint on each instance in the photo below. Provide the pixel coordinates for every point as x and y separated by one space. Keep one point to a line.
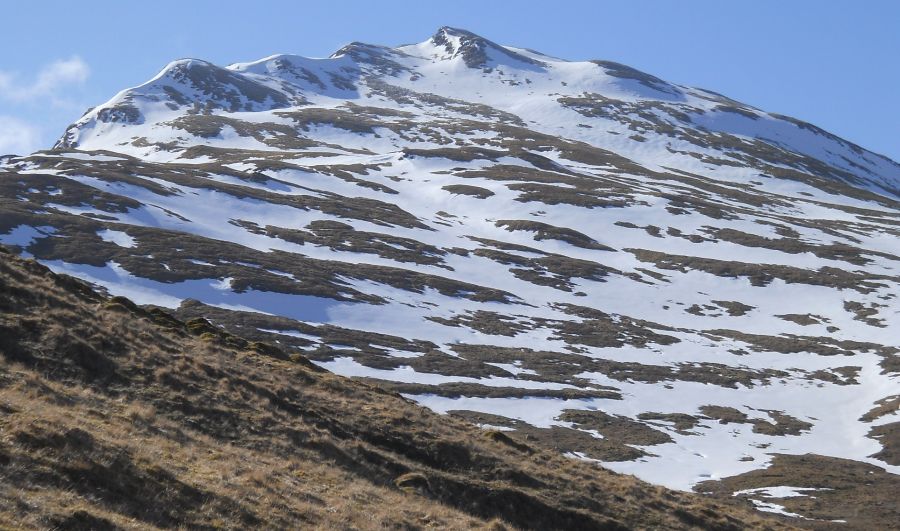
474 49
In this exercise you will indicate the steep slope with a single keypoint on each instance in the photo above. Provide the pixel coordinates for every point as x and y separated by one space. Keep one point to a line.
114 416
653 276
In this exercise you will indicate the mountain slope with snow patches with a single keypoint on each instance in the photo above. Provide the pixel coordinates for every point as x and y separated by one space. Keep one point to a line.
654 276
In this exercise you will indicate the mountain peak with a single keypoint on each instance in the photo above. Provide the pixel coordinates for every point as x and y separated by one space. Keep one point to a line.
448 31
475 50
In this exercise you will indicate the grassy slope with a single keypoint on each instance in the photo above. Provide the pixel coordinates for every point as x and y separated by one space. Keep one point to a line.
113 416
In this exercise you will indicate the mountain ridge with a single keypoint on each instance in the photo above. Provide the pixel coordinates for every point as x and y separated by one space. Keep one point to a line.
477 45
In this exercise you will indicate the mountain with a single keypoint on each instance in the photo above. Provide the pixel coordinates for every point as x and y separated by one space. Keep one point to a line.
625 270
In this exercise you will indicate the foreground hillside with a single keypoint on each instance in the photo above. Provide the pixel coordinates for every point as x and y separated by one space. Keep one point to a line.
114 416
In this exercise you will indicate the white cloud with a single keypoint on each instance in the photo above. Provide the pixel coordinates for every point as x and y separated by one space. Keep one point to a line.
52 79
18 137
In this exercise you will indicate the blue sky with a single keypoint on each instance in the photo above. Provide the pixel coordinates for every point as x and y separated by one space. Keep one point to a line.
832 63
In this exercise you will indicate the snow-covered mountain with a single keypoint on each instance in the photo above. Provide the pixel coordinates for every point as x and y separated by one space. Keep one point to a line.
660 278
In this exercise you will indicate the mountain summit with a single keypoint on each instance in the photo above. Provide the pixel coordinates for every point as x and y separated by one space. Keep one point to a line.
579 254
475 51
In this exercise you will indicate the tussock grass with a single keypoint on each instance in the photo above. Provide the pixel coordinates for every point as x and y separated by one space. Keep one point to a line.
114 416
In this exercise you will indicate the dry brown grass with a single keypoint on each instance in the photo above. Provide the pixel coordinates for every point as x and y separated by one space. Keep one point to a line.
847 494
116 417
